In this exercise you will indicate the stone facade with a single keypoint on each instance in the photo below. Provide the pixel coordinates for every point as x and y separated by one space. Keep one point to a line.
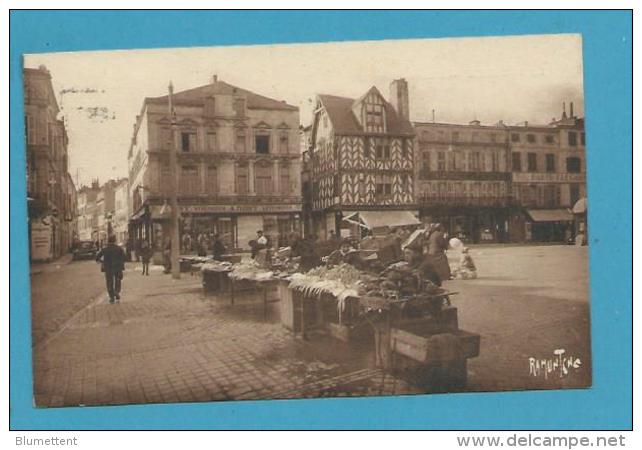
238 164
51 192
501 183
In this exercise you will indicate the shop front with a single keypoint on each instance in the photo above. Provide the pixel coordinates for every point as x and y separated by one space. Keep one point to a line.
199 224
580 224
359 224
471 224
548 225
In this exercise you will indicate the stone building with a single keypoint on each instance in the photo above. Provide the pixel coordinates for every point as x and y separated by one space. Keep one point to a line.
87 213
120 217
106 209
502 183
548 177
239 166
463 179
361 163
50 189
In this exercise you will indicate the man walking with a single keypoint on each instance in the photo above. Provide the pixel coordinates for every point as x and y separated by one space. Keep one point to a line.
113 264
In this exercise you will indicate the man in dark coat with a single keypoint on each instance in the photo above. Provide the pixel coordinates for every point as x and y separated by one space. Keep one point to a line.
113 263
218 248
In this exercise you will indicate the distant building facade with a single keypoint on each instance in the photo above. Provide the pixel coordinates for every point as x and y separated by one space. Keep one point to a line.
548 177
87 213
239 166
50 190
361 163
120 217
463 179
502 183
106 209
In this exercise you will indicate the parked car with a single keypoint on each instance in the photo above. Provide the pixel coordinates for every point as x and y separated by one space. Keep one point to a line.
85 250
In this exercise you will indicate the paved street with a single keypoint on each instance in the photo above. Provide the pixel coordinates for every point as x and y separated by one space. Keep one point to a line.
167 341
58 291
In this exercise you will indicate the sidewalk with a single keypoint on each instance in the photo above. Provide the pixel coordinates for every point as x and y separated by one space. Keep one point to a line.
169 342
40 267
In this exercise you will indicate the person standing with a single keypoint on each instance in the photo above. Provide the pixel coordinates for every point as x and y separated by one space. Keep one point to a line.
437 246
113 265
261 240
421 266
167 256
146 256
218 248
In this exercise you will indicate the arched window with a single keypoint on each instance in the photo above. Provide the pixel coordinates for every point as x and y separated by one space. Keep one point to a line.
242 181
263 175
190 182
211 143
284 180
240 140
573 164
211 180
165 138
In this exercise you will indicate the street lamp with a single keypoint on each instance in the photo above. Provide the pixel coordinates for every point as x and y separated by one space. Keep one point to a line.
176 270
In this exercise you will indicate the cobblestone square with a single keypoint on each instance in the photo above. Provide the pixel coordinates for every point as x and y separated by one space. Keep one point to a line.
168 341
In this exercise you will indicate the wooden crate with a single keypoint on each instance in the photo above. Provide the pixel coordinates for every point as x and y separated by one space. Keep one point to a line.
291 314
216 282
429 344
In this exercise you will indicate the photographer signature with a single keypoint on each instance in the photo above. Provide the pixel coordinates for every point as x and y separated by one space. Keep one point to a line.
561 364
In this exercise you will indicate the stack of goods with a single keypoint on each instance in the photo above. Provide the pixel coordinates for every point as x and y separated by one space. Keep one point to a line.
340 281
216 266
250 270
400 284
283 264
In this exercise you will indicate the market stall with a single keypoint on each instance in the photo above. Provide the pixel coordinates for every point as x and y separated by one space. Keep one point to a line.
413 323
246 276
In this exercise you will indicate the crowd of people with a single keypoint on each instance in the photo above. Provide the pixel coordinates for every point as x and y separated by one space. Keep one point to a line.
425 253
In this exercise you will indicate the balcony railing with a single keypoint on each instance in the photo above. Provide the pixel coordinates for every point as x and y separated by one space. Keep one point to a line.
426 175
464 200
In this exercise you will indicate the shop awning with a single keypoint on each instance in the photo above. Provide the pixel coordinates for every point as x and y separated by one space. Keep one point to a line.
138 215
550 215
160 212
380 219
580 206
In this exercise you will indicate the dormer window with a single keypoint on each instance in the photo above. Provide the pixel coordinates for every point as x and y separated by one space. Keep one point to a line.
374 116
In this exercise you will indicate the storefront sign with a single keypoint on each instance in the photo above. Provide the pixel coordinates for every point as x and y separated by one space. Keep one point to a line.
40 241
548 178
263 209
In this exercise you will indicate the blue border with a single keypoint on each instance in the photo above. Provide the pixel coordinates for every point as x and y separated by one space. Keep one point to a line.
607 41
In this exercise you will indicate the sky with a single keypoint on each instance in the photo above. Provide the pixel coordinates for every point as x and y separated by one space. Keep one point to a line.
514 79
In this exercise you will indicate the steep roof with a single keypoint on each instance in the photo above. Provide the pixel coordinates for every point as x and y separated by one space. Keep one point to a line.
339 110
196 95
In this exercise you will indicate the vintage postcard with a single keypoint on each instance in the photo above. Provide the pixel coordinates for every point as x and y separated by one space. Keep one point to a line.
347 219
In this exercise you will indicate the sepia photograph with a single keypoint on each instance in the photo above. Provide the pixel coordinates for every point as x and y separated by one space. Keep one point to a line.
346 219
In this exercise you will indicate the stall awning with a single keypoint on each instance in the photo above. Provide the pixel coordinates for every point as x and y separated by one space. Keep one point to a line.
550 215
380 219
580 206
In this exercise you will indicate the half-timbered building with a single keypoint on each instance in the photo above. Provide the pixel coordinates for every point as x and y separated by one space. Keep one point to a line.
362 163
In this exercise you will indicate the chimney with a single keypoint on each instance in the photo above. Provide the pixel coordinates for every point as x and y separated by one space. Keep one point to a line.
571 111
399 98
214 78
563 110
